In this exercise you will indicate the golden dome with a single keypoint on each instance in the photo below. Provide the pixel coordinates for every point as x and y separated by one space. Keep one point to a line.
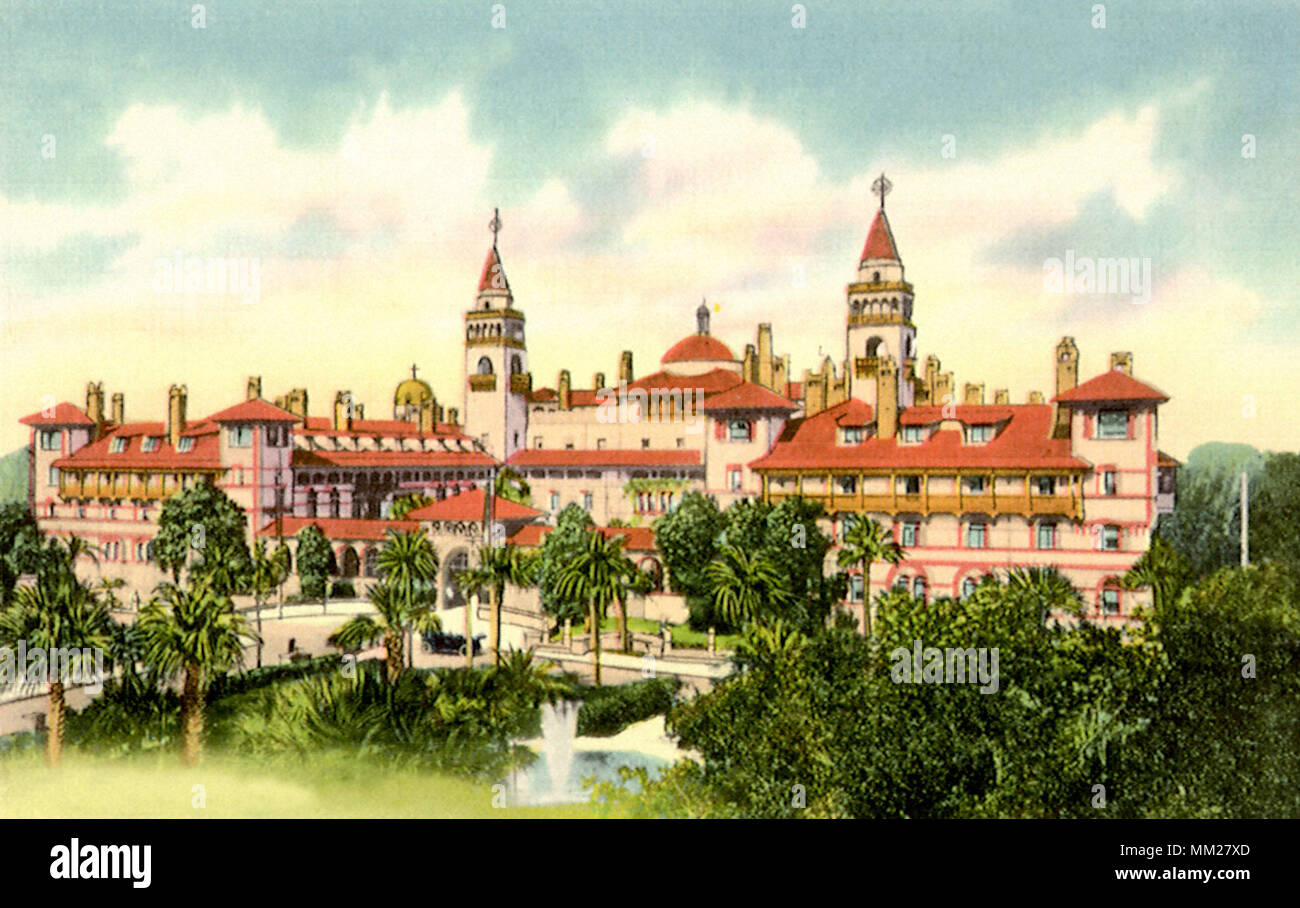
412 392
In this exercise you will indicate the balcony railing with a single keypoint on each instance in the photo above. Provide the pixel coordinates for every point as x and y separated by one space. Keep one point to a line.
902 503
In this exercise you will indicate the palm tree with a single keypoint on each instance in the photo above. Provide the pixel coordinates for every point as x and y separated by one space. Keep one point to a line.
58 613
1046 587
599 575
266 573
497 566
865 543
745 586
638 582
394 618
1163 570
196 631
408 564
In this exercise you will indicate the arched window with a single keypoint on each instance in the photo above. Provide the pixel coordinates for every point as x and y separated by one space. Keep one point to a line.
873 346
516 365
485 365
967 587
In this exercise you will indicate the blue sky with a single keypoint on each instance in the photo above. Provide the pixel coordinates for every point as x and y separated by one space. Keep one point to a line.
545 98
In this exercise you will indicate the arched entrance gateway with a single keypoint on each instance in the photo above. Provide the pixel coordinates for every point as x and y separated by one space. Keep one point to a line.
449 592
349 563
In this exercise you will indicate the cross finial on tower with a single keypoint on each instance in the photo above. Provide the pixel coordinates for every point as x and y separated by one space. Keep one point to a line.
495 225
881 187
412 370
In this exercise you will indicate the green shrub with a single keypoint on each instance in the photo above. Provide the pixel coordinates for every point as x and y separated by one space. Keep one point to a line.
608 710
343 589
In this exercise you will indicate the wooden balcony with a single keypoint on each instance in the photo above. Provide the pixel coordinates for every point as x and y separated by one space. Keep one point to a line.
521 383
925 504
483 382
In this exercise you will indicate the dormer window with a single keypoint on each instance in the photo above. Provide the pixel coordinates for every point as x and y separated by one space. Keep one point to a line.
185 445
854 435
117 446
150 443
1112 424
739 430
913 434
978 435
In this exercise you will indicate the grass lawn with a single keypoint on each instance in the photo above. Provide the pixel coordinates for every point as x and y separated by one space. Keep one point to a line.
684 635
326 785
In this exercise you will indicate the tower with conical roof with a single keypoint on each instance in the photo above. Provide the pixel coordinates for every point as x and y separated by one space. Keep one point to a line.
879 318
496 362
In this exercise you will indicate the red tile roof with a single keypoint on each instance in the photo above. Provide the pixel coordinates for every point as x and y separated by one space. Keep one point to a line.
697 347
494 276
810 443
64 414
967 414
324 425
339 528
639 539
794 390
880 240
710 382
204 455
253 411
746 395
616 457
854 412
1115 385
303 458
469 506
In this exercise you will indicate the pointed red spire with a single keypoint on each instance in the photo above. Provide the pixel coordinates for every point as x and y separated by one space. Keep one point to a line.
494 276
880 240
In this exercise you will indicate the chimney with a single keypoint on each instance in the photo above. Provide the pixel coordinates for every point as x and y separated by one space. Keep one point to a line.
359 411
974 393
625 367
119 408
943 393
296 403
95 403
175 413
749 364
342 410
1035 397
1002 396
598 382
765 355
427 415
453 416
1122 361
254 387
1067 377
563 389
932 376
887 398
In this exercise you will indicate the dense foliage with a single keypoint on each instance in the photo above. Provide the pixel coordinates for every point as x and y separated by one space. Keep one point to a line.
1193 716
608 710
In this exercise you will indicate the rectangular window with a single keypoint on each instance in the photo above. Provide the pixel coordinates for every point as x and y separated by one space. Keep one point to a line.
117 446
734 480
978 435
910 485
586 501
645 444
910 532
555 501
50 439
1046 536
54 476
1108 537
855 587
1108 482
1112 424
977 535
240 436
537 441
977 485
848 484
919 589
185 445
681 442
913 434
600 444
1110 602
150 443
738 430
1046 485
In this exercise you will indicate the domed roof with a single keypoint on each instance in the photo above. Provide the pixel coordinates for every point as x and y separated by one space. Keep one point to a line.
697 347
412 391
